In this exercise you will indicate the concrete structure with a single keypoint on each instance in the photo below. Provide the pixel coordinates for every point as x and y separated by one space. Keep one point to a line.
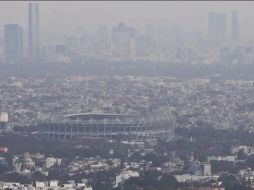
4 117
53 183
248 150
235 26
44 185
13 43
222 158
123 42
3 120
207 170
107 126
193 178
123 176
39 184
33 31
51 161
217 28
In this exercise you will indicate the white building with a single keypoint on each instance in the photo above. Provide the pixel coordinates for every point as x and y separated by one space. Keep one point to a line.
39 184
53 183
207 170
4 117
222 158
123 176
51 161
246 149
192 178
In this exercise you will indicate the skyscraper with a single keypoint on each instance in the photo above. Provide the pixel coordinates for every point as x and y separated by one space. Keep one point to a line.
221 26
13 43
123 38
33 31
211 25
235 26
217 28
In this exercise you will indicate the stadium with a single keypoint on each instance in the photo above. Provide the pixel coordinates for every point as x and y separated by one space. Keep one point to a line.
107 126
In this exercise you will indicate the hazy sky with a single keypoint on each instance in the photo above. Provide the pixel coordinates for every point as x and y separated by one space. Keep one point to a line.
64 17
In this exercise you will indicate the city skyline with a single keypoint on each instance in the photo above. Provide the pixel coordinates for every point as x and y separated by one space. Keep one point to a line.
191 16
154 95
124 41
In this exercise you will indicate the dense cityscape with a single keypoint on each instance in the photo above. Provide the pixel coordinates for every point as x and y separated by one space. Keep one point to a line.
123 109
221 43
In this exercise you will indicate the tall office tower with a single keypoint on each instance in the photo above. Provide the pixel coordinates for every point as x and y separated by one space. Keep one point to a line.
123 40
33 31
30 31
217 28
37 27
13 43
102 45
211 25
221 26
235 26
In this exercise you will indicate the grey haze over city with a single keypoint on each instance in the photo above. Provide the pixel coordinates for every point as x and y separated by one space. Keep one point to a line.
126 95
69 16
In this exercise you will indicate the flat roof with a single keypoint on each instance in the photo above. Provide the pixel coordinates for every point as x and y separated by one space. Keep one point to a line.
98 115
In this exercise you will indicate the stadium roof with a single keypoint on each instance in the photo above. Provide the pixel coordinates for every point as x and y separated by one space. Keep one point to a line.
97 115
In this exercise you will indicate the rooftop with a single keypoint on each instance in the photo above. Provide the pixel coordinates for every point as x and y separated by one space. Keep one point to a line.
98 116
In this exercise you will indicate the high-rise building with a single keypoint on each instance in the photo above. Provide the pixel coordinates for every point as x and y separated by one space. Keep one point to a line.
221 26
33 31
211 25
13 43
217 28
102 44
123 40
235 26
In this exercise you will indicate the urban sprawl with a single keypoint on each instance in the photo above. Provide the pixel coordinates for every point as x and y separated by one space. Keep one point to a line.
122 109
